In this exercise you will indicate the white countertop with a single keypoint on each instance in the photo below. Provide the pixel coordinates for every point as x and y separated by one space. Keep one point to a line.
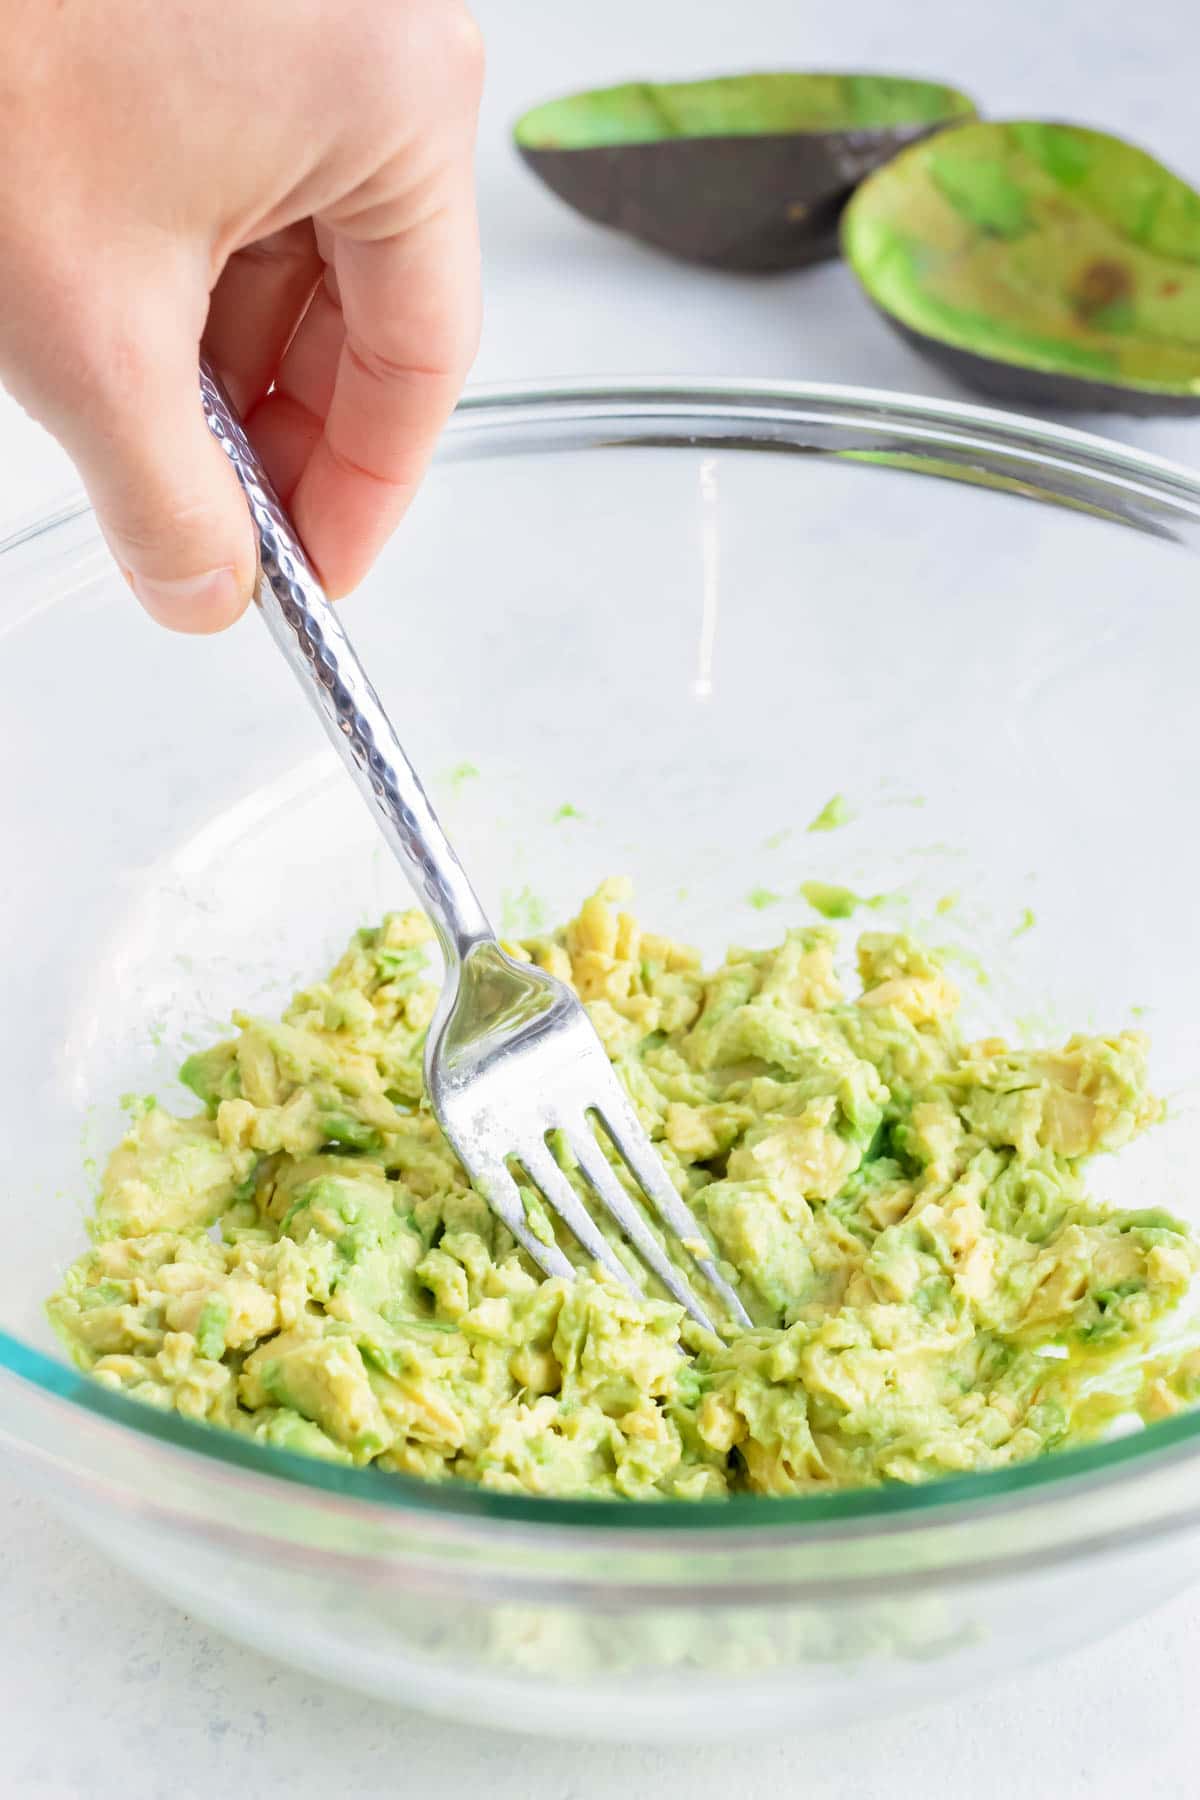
110 1692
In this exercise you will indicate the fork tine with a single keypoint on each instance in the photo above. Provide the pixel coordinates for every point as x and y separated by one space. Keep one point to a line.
504 1197
603 1179
625 1129
561 1196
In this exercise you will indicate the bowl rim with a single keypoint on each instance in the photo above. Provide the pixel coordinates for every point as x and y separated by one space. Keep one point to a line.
742 405
590 398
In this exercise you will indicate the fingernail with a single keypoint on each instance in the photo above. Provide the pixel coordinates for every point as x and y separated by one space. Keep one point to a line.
195 603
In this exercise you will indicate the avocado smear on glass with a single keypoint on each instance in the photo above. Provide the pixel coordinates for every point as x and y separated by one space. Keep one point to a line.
933 1287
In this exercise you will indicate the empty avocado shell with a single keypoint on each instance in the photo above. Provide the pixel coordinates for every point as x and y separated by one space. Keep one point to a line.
744 172
1041 263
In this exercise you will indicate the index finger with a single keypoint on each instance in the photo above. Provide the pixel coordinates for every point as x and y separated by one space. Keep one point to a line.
411 308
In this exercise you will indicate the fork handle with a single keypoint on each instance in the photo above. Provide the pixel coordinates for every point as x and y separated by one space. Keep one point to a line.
307 630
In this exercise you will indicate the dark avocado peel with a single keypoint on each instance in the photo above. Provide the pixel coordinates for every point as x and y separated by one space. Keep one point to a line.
1040 263
744 172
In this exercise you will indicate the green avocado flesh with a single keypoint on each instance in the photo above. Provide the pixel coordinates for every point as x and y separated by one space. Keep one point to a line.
933 1286
648 112
1048 247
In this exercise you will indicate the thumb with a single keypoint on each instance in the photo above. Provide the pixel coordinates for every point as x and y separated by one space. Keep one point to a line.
168 502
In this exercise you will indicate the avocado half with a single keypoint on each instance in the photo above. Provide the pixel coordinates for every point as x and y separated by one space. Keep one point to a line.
744 172
1040 263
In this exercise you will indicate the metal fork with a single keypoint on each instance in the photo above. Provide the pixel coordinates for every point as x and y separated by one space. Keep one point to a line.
511 1057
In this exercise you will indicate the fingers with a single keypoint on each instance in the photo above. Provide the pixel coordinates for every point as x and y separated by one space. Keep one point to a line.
125 403
287 426
381 352
367 379
168 502
411 321
255 306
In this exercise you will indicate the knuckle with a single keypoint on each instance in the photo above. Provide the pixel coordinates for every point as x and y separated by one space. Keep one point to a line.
159 524
444 39
464 49
417 63
48 333
437 367
106 359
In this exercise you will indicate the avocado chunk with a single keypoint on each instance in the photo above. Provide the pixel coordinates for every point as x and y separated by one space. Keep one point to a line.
934 1285
1043 263
746 172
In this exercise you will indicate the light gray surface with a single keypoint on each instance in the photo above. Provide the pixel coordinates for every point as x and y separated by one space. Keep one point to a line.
108 1692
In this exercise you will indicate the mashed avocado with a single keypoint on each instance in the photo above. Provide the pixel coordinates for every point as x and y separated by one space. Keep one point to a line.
933 1287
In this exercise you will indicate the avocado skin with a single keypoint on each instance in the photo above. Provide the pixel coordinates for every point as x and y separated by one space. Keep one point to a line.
1017 384
746 204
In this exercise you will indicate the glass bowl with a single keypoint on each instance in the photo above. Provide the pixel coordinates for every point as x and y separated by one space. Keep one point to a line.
691 614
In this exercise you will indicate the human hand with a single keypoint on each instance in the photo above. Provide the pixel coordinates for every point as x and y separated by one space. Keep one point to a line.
287 183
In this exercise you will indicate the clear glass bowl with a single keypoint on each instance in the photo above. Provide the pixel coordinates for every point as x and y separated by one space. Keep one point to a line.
692 614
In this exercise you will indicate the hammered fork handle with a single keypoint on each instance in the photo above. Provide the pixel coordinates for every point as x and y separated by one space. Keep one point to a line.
314 643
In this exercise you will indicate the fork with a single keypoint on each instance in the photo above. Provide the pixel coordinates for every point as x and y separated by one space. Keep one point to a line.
511 1058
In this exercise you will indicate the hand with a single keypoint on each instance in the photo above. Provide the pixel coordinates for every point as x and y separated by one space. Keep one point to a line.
287 182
